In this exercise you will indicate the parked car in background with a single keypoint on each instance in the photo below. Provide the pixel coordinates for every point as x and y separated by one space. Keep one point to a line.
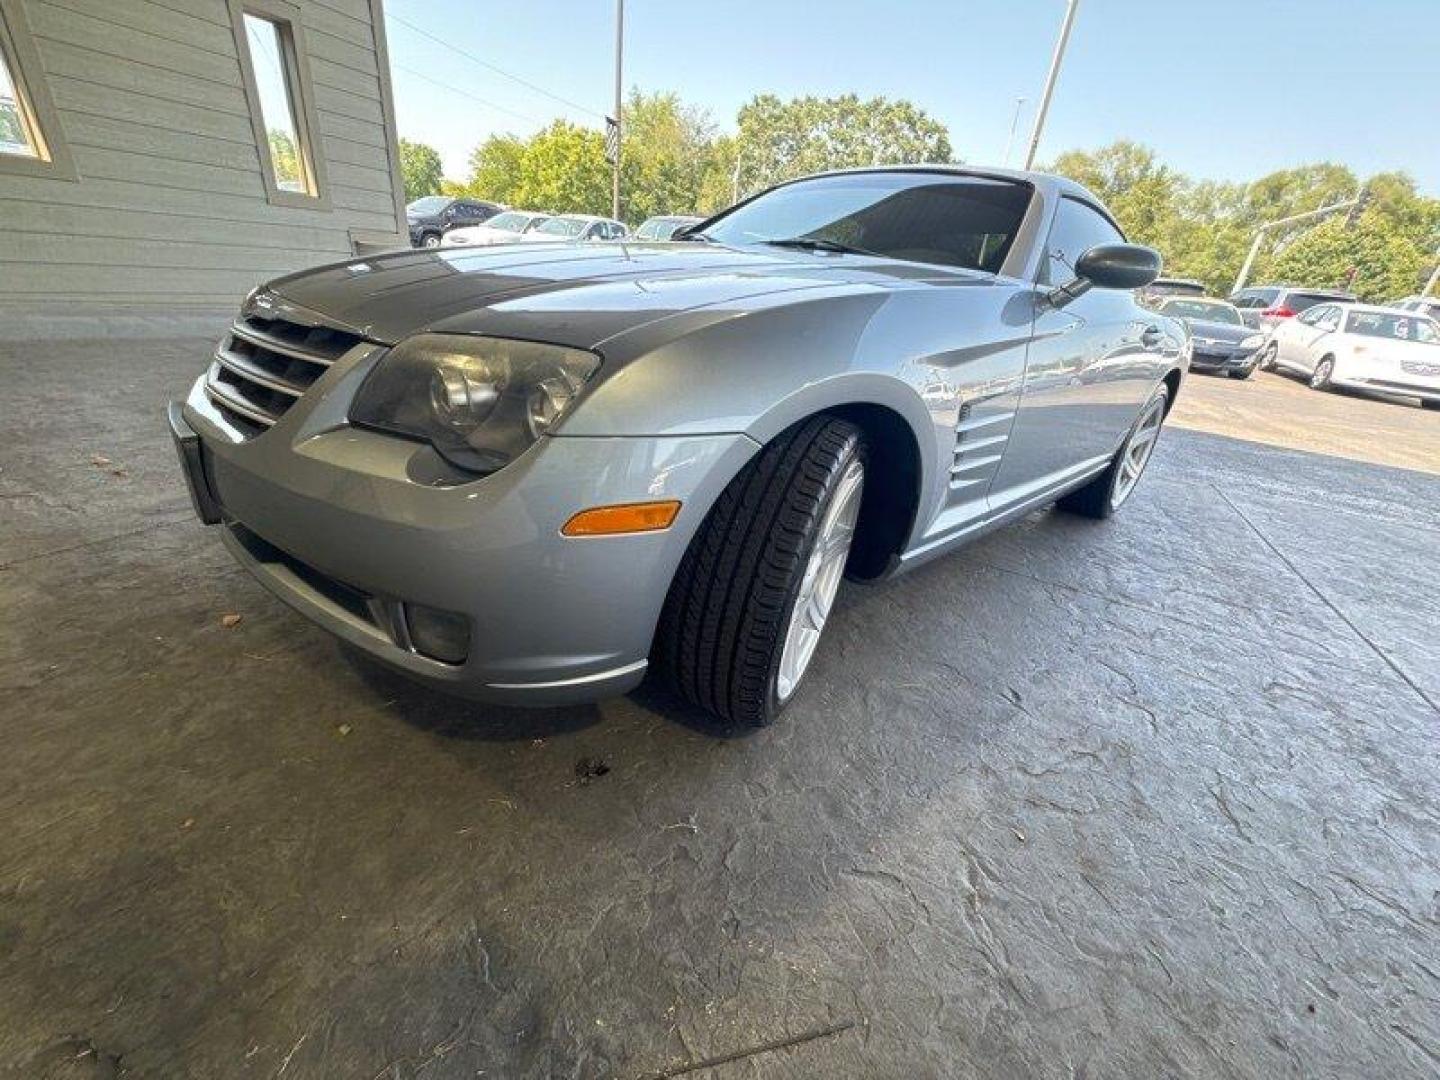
1162 287
576 227
850 373
665 227
1219 339
1266 306
1388 350
1425 305
431 217
505 228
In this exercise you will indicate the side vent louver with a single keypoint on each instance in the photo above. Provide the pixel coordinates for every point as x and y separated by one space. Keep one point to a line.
979 443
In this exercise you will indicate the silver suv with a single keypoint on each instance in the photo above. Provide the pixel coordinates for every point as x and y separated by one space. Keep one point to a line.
1265 306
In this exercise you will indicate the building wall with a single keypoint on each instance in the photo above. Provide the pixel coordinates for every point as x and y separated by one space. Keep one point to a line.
170 208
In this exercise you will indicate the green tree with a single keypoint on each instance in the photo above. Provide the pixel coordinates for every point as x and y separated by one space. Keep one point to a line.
563 169
1374 257
421 167
667 156
285 160
778 139
495 168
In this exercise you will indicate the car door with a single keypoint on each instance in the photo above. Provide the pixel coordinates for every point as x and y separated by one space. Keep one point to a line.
1316 336
1089 367
1295 337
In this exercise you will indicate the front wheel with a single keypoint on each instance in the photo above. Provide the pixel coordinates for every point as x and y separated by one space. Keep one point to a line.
754 591
430 240
1324 371
1242 373
1267 356
1429 403
1101 497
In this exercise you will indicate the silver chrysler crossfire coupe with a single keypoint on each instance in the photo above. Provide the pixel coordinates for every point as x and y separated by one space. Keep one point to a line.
529 473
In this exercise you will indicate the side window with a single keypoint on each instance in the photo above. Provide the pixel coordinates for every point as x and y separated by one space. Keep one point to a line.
1078 227
1311 317
1329 318
30 138
273 64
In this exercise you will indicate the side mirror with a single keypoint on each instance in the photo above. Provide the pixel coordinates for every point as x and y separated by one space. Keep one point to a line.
1109 266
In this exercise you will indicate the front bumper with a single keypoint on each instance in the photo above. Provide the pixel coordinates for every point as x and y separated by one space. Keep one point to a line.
347 527
1220 358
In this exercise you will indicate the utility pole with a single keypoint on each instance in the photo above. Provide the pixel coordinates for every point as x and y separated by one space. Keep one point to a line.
619 104
1291 220
1014 123
1434 276
1070 8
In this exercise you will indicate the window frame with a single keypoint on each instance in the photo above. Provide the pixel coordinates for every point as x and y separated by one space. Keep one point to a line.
53 159
299 85
1046 258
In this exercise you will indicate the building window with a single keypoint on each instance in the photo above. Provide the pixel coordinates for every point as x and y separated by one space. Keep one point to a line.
30 142
282 108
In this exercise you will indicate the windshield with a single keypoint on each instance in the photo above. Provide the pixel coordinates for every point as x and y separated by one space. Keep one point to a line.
964 221
1398 327
430 204
656 228
1204 310
509 221
560 226
1299 301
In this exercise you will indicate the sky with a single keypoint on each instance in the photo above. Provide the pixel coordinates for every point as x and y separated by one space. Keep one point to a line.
1220 89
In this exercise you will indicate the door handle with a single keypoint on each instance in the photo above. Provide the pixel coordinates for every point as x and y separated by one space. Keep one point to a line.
1151 336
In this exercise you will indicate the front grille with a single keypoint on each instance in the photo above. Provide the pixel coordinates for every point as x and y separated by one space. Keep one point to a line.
1418 367
263 365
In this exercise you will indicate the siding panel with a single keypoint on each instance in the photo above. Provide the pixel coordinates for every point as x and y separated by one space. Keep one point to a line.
170 207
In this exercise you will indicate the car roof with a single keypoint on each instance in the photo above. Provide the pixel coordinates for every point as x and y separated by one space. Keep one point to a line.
1387 309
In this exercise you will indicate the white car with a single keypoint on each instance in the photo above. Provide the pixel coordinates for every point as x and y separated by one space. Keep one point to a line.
1385 349
576 227
506 228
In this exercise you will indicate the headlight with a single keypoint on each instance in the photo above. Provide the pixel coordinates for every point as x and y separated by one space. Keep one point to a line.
1253 342
479 401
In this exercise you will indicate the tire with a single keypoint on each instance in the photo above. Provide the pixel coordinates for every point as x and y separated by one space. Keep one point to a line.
1320 377
1241 374
1426 403
1267 356
430 240
1101 497
723 633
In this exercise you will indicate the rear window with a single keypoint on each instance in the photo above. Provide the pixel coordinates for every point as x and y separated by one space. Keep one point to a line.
1299 301
1203 310
1397 327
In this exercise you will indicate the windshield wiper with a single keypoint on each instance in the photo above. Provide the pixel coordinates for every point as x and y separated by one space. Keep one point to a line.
815 243
698 237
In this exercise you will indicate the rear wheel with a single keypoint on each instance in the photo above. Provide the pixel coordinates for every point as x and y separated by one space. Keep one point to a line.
1427 403
754 591
1324 370
1102 496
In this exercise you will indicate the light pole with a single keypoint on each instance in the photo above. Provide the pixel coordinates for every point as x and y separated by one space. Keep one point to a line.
1291 220
1070 8
1014 123
1434 276
619 104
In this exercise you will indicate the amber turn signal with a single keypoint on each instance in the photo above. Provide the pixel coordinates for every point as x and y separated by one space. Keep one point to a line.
625 518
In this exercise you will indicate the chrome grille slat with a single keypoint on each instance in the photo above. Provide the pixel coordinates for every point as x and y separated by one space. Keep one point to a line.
266 363
245 369
230 399
284 348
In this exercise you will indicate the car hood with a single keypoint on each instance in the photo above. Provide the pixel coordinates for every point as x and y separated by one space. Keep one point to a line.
573 294
1220 331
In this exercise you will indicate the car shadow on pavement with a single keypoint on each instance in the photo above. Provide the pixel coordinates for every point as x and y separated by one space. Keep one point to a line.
458 718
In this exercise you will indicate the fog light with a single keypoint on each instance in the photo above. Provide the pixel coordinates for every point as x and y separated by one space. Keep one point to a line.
440 635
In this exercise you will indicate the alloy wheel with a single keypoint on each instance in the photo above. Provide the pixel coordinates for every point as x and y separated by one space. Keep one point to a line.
1137 450
1320 378
821 581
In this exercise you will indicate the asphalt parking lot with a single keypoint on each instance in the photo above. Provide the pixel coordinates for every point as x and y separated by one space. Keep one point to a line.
1158 797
